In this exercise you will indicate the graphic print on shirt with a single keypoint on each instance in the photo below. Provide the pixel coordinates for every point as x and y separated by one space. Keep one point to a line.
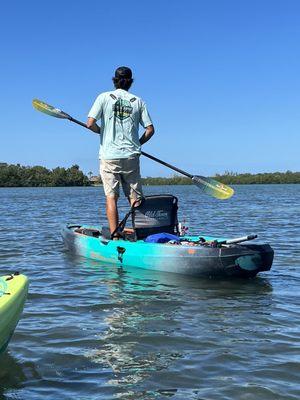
122 109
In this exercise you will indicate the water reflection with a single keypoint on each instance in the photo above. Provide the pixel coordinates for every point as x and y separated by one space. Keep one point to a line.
146 330
133 326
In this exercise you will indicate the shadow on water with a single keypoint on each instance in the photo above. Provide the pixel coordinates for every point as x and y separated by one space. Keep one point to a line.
149 320
14 375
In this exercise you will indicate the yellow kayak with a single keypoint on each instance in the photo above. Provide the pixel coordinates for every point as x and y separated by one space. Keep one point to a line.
13 293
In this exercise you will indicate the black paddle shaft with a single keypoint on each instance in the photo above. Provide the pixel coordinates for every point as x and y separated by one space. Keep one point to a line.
78 122
167 164
143 153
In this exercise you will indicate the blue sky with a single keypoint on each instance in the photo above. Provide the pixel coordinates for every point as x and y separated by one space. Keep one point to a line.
221 80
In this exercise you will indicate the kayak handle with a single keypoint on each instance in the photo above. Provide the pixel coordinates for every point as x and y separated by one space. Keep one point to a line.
238 240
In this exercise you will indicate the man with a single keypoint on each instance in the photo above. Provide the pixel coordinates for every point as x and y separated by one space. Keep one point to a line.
120 146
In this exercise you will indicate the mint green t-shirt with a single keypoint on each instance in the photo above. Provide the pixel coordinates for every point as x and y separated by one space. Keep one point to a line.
121 113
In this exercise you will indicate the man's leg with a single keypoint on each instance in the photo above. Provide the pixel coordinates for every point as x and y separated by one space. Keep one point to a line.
131 180
112 213
111 182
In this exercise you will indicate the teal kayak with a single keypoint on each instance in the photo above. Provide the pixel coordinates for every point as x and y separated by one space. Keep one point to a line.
199 256
13 293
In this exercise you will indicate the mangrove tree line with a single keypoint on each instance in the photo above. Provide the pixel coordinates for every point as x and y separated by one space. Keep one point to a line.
21 176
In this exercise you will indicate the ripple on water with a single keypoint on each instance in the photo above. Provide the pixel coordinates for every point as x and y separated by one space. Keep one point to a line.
91 331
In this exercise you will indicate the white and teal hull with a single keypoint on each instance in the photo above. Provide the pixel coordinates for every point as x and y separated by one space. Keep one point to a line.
236 260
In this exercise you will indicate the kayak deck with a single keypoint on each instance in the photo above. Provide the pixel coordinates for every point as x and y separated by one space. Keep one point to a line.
190 257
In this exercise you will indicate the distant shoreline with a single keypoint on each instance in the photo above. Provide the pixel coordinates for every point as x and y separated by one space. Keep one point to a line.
37 176
231 178
100 185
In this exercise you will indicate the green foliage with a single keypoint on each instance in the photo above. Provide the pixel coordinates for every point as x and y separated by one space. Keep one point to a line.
232 178
174 180
20 176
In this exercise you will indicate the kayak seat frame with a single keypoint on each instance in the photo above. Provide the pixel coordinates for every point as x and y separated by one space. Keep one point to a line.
150 215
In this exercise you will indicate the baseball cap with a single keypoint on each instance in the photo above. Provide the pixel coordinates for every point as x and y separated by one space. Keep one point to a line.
123 72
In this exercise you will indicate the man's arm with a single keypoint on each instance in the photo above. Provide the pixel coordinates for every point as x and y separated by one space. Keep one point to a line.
91 124
149 132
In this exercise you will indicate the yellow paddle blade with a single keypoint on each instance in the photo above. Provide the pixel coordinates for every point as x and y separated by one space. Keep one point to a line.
47 109
213 187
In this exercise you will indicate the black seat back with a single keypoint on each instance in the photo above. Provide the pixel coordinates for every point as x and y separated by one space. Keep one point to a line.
155 214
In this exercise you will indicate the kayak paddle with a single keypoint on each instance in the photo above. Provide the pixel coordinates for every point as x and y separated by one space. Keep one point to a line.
208 185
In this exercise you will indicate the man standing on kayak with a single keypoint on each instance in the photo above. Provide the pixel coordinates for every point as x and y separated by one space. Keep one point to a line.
120 146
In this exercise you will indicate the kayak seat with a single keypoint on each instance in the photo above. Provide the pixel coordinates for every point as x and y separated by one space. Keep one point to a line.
151 215
155 214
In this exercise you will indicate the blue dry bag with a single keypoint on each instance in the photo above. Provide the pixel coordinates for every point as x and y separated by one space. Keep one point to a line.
162 238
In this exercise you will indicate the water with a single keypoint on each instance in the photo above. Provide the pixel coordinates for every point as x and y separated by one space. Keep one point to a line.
96 332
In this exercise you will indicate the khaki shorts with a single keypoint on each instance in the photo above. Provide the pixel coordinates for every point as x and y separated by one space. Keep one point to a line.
124 172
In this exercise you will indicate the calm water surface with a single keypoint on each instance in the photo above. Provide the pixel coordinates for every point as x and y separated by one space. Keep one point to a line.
91 331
